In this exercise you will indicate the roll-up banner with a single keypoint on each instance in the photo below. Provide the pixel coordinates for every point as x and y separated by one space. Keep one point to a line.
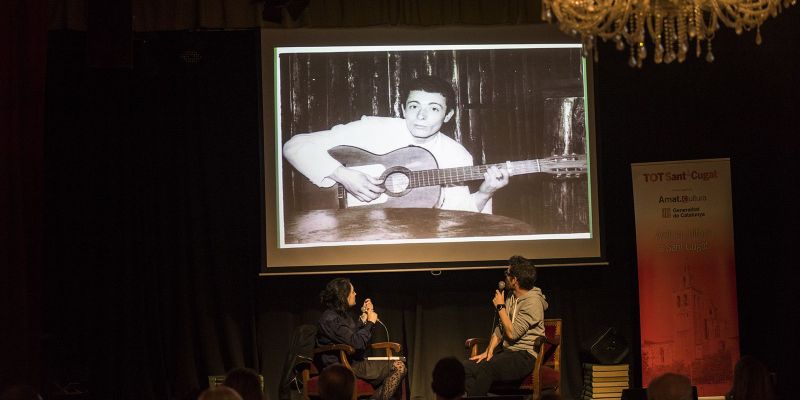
687 276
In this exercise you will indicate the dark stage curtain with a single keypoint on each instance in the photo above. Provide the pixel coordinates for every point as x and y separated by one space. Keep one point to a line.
170 15
151 273
348 13
23 40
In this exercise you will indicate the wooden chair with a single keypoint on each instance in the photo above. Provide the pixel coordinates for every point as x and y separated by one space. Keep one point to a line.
310 374
546 374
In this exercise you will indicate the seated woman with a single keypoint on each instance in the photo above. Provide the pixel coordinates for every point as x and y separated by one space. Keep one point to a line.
339 325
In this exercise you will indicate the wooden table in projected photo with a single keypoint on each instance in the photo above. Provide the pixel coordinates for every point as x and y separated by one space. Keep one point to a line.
362 224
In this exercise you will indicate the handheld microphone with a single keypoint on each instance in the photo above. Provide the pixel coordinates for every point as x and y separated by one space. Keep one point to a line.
364 310
501 286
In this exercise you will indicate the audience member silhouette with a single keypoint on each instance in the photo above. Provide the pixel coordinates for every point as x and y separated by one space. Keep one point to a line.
245 381
751 381
219 393
670 387
448 379
20 392
336 382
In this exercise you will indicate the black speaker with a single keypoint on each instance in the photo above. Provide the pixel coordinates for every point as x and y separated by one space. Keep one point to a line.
609 347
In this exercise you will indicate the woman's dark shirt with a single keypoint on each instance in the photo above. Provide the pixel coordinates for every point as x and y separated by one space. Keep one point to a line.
335 328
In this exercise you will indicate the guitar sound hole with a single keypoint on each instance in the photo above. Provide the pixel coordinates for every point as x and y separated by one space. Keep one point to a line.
396 183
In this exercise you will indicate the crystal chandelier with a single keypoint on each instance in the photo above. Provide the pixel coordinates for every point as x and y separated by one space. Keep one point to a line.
672 25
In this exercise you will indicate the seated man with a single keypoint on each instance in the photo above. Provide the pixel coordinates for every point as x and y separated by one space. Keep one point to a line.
448 379
428 104
336 382
670 387
521 324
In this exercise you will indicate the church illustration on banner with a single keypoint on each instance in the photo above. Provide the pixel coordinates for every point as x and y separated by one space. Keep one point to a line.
704 347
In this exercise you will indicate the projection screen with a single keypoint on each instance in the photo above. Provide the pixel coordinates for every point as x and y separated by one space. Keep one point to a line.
338 101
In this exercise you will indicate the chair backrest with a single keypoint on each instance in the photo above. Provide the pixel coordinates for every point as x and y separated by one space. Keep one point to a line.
552 352
299 356
549 357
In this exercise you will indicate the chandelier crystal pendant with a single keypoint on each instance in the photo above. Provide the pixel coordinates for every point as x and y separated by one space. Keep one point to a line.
673 26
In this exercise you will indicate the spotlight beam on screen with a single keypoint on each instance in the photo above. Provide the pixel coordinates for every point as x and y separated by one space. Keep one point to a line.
515 101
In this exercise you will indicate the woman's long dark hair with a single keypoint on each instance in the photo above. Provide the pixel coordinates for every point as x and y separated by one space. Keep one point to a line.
334 296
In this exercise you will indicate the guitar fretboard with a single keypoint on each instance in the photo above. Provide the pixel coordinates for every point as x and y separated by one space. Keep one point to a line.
447 176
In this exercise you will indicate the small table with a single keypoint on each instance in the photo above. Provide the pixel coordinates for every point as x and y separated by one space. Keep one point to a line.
369 224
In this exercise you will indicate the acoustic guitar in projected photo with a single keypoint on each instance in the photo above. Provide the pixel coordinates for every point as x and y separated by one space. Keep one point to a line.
412 177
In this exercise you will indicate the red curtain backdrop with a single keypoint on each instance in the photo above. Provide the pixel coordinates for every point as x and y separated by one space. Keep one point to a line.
23 29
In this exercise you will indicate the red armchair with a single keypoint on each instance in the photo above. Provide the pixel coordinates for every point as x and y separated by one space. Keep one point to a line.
310 374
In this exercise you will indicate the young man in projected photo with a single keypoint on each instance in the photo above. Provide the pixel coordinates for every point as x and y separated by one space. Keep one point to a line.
520 327
428 104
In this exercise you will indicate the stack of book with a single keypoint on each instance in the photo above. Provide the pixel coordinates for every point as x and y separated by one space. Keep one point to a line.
604 381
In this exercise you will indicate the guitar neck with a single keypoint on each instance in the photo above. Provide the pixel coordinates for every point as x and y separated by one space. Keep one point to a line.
447 176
